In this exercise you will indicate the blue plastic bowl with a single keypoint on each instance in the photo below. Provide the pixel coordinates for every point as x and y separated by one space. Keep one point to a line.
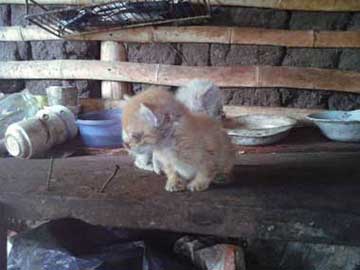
101 129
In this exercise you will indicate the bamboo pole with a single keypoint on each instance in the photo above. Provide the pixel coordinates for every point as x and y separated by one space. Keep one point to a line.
113 51
308 5
171 75
202 34
89 105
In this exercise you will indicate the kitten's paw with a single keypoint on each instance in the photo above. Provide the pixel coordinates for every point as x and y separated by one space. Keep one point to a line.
141 165
175 186
197 186
156 168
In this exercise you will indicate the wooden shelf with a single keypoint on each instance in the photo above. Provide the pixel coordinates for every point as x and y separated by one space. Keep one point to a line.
293 195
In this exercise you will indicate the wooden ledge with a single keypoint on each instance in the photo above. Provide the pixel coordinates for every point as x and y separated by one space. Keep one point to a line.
302 197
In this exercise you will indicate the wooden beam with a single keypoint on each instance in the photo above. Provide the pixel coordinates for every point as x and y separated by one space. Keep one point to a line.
202 34
308 5
172 75
254 206
113 51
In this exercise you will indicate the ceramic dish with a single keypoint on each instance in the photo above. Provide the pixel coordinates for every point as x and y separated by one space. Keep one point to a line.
338 125
260 129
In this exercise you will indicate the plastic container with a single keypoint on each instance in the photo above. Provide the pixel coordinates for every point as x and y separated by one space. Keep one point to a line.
101 129
17 107
36 135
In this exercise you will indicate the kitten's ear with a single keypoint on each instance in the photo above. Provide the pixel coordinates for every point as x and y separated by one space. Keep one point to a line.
149 115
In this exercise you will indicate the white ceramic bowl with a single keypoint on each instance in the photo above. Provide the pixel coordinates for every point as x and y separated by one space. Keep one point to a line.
260 129
338 125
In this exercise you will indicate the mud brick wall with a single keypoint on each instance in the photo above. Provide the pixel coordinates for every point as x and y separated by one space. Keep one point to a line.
213 55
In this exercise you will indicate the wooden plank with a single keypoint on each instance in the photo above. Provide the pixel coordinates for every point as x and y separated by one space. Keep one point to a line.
201 34
318 5
172 75
281 197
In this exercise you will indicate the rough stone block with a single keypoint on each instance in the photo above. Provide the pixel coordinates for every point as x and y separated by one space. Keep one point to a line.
4 15
252 97
82 50
11 86
195 54
350 60
321 58
18 13
298 98
8 51
153 53
90 88
319 20
354 23
224 55
47 50
254 17
344 101
38 87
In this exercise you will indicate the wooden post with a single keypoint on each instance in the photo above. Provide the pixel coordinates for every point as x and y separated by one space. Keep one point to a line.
113 51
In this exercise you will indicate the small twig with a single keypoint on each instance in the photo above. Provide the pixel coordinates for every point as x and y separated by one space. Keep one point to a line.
109 179
50 171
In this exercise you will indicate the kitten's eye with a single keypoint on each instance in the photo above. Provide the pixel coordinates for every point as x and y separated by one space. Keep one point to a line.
137 136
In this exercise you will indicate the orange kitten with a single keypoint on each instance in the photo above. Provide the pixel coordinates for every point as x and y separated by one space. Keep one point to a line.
191 149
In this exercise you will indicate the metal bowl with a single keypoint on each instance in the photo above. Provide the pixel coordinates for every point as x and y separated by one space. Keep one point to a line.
338 125
260 129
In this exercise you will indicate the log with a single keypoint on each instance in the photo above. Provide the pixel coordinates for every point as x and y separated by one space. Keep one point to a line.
113 51
171 75
307 5
201 34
